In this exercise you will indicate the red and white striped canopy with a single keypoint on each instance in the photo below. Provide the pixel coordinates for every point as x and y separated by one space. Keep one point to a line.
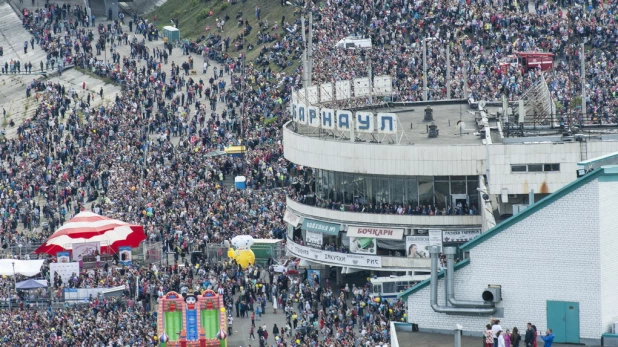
90 227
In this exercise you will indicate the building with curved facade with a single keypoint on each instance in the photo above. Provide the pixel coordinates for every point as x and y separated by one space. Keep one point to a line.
377 186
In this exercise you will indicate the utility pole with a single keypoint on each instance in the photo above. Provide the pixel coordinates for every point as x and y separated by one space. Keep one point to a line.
370 74
448 71
243 85
583 78
424 69
305 60
310 49
465 79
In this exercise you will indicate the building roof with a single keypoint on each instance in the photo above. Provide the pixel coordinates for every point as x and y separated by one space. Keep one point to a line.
603 171
415 128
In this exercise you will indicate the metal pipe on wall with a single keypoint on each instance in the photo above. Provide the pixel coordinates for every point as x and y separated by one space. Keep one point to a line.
434 252
450 283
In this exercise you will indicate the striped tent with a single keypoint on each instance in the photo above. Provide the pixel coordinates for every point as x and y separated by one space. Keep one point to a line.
90 227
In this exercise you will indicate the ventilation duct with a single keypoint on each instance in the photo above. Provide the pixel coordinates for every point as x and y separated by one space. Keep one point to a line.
450 283
434 252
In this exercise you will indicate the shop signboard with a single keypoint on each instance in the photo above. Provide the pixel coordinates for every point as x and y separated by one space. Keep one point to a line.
335 258
375 232
459 236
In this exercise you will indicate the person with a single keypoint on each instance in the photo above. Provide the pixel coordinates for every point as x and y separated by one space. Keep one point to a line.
500 339
536 334
507 338
230 323
252 332
529 338
275 330
494 330
489 337
515 337
548 338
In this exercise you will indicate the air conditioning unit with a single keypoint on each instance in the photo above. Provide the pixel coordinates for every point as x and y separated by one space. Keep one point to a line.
493 293
519 208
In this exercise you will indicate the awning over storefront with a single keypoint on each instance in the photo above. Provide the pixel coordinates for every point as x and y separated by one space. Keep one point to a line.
321 227
375 232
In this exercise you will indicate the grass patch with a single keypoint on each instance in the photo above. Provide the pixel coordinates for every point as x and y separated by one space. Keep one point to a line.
106 80
193 16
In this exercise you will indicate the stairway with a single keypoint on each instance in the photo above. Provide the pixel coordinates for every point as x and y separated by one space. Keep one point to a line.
538 103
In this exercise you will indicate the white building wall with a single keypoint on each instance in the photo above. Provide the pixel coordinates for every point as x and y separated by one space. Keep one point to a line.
551 255
608 196
379 159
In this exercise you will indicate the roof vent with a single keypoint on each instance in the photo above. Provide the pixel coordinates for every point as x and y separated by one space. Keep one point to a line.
433 130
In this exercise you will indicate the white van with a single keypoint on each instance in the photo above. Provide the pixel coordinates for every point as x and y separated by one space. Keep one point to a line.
354 42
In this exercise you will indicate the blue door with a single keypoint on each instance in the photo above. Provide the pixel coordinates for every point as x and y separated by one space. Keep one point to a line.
563 319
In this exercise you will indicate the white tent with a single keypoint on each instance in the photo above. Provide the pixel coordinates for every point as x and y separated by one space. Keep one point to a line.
21 267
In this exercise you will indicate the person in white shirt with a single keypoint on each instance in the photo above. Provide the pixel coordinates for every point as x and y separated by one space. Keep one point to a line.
495 328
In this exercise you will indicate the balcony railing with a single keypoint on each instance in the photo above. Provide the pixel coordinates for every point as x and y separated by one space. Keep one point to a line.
389 220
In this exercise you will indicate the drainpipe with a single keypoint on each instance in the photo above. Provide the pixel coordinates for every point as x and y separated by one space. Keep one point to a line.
450 283
434 251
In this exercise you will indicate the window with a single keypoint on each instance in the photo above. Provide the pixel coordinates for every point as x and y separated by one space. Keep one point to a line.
535 168
388 287
551 167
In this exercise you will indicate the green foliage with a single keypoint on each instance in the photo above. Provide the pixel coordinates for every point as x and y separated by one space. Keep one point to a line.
270 120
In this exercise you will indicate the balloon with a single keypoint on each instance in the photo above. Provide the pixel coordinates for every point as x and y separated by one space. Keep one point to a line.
222 309
226 244
149 214
244 257
377 299
242 242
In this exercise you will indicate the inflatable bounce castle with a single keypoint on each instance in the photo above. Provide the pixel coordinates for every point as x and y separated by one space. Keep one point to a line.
192 320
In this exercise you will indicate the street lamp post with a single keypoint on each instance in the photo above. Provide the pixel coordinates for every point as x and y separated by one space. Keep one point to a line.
14 285
425 91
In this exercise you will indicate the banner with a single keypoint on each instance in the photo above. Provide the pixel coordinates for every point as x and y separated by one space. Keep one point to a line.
435 238
85 249
460 235
363 245
125 255
417 246
313 276
291 218
335 258
64 270
63 257
321 227
375 232
313 239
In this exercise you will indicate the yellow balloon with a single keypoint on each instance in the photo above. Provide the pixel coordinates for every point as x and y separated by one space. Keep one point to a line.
377 299
222 310
243 257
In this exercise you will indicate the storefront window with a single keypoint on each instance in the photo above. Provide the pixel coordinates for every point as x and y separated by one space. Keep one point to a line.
438 191
425 191
411 192
397 191
442 194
